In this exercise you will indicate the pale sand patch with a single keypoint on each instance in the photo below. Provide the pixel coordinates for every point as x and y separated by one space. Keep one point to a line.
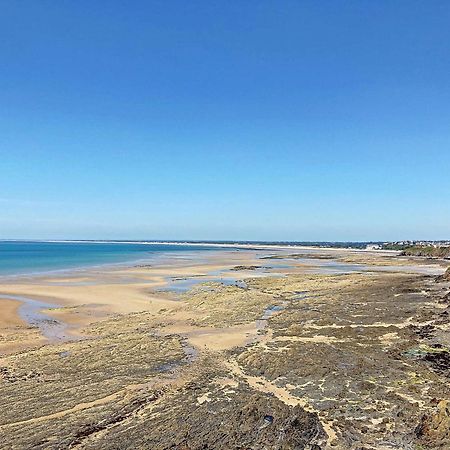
212 338
72 279
389 338
226 382
119 298
9 316
203 398
368 325
318 339
12 345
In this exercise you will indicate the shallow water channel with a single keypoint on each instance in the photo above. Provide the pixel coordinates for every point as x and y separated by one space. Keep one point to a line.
31 311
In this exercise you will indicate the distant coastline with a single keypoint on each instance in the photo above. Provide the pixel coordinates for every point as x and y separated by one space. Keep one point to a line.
216 243
421 247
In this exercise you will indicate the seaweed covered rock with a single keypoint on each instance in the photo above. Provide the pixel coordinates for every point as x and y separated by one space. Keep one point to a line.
234 418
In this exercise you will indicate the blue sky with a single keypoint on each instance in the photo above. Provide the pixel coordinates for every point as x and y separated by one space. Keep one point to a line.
291 120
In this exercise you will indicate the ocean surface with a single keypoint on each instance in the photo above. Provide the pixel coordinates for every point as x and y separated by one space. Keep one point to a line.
20 257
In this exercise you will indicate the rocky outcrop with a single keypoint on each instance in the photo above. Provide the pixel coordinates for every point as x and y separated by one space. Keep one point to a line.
434 428
203 415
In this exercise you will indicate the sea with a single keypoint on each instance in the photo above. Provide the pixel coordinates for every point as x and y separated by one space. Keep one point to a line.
34 257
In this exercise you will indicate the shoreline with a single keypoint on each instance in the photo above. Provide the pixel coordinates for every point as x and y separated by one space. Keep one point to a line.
94 266
147 286
273 332
156 256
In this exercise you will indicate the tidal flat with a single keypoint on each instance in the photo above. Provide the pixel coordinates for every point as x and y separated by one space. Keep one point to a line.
241 349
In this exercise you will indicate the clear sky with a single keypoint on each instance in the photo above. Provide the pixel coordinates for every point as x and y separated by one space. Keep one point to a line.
264 120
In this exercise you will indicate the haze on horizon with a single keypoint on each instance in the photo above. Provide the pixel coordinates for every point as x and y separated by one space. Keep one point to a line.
257 120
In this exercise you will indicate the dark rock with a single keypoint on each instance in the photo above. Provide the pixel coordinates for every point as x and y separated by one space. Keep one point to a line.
424 332
268 419
237 268
434 427
439 361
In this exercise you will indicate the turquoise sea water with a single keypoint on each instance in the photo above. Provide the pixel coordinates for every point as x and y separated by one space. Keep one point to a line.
35 257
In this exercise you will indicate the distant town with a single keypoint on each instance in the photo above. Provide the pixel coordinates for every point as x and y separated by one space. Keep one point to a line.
401 245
